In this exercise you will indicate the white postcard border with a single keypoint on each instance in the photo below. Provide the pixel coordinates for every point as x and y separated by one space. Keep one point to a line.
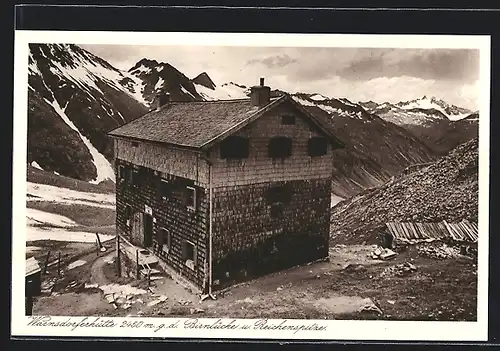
334 329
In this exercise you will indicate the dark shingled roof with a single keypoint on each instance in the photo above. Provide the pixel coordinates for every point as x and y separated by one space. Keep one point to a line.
190 124
195 124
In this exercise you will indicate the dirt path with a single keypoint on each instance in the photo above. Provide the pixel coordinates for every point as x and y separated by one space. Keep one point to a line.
97 275
339 289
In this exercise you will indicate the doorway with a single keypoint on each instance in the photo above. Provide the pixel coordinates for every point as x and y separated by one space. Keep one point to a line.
148 230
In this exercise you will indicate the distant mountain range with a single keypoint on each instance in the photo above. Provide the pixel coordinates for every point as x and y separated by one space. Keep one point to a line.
440 125
75 98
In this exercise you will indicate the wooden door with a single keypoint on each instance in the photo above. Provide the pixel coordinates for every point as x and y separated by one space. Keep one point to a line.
138 229
148 230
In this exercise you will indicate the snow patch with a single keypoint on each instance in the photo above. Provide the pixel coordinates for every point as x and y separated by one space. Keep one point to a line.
329 109
224 92
159 83
103 167
50 193
121 290
136 90
347 102
31 249
335 200
37 218
141 69
36 165
318 97
77 263
304 102
61 234
185 91
458 117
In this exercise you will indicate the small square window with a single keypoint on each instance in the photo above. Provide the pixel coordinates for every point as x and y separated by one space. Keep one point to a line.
135 144
288 119
190 198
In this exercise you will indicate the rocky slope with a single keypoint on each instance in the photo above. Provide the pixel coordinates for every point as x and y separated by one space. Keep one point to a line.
446 189
74 99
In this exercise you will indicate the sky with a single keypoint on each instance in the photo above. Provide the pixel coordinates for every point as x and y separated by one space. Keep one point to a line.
359 74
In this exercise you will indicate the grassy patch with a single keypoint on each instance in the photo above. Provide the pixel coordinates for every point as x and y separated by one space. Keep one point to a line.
89 216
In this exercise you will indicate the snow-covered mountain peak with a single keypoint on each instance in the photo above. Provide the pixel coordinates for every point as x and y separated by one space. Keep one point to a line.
226 91
79 97
81 68
450 111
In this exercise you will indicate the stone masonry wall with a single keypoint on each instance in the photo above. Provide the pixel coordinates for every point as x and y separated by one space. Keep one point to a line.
170 213
249 242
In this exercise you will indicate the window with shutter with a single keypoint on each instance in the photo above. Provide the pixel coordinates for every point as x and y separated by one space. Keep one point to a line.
280 147
165 189
190 198
317 146
234 147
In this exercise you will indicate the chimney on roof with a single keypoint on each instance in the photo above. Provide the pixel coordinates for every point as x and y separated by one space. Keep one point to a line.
162 98
260 95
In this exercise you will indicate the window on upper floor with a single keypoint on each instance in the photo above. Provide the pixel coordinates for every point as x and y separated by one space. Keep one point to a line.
121 174
280 147
133 175
288 119
165 189
128 215
317 146
234 147
190 198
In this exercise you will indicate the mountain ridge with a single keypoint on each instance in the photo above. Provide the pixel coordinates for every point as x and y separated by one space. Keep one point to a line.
76 97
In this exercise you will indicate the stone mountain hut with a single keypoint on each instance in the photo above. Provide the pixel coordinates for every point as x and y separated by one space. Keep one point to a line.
223 191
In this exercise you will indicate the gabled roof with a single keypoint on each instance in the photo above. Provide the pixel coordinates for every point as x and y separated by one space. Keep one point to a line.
201 124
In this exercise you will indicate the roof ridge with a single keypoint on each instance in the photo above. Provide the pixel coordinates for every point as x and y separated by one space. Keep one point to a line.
218 100
209 101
